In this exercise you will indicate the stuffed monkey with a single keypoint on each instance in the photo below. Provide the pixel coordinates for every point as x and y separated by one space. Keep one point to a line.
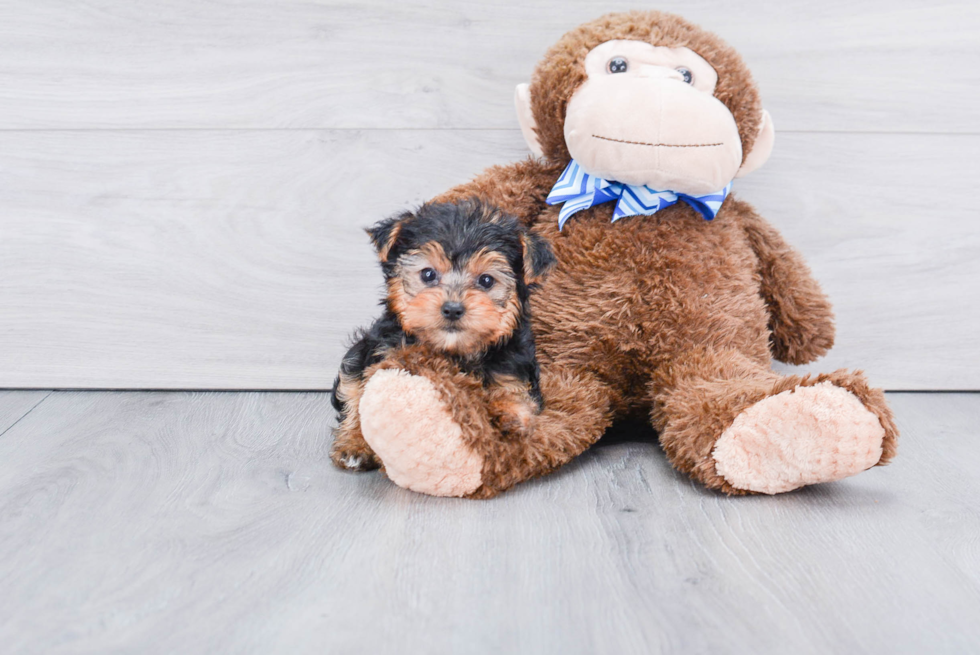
670 296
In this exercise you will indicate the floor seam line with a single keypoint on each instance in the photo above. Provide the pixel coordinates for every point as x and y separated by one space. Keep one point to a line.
35 406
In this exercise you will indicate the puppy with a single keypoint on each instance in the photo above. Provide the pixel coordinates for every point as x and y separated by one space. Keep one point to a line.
458 279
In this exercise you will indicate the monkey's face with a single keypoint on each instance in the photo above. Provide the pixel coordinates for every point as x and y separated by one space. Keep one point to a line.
457 304
646 98
647 115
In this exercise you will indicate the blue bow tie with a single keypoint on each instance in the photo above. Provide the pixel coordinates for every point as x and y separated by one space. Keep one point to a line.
579 190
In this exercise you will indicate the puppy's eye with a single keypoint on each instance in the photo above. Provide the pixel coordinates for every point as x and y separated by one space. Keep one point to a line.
428 275
617 65
486 281
686 74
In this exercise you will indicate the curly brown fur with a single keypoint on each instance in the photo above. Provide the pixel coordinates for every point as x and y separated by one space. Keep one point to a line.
800 317
667 314
577 413
624 305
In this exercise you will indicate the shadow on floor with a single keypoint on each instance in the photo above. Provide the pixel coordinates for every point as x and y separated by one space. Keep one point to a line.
636 429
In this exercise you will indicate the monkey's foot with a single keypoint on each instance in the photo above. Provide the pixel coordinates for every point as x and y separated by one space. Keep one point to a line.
802 436
410 428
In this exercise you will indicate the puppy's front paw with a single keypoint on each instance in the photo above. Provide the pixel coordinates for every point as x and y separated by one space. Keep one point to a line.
354 460
516 419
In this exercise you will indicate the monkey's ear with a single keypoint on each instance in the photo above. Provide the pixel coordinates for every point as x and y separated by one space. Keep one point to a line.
538 258
385 233
522 100
762 147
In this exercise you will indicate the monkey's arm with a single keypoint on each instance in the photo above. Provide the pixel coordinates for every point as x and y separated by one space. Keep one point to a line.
519 188
800 317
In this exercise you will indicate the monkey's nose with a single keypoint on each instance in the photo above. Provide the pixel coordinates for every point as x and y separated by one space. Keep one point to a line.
453 311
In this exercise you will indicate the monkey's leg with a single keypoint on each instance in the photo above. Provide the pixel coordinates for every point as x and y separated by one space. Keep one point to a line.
735 425
576 414
432 430
350 451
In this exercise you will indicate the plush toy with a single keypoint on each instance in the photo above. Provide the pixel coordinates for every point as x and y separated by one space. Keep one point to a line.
670 296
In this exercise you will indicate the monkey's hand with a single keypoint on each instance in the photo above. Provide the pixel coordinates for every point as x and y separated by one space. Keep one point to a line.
800 318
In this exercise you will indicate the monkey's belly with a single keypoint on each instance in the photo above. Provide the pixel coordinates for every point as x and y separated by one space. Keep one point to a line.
629 297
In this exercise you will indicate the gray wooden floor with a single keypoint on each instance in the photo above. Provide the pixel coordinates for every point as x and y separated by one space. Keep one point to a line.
213 522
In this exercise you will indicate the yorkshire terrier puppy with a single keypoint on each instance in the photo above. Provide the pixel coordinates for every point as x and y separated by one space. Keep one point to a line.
458 278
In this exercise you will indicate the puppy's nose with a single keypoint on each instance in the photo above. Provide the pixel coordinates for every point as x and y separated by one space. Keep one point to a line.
453 311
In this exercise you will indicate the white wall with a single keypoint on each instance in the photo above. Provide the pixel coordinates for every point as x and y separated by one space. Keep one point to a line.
182 186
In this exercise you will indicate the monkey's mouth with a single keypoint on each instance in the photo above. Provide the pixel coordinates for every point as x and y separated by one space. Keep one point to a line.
659 145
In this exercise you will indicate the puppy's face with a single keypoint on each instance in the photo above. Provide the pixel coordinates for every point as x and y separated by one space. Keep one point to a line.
458 274
459 304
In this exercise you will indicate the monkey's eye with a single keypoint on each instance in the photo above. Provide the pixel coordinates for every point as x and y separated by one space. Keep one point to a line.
617 65
486 281
428 275
686 74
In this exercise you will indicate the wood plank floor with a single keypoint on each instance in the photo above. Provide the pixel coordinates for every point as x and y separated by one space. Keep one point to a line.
212 522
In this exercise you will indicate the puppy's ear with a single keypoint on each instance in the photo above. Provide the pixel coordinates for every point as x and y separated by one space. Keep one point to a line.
538 258
385 233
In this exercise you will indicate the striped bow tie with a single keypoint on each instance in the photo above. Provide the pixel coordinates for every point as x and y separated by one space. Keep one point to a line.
579 190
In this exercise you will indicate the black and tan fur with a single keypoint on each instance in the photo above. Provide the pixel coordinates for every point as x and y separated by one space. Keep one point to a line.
459 278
